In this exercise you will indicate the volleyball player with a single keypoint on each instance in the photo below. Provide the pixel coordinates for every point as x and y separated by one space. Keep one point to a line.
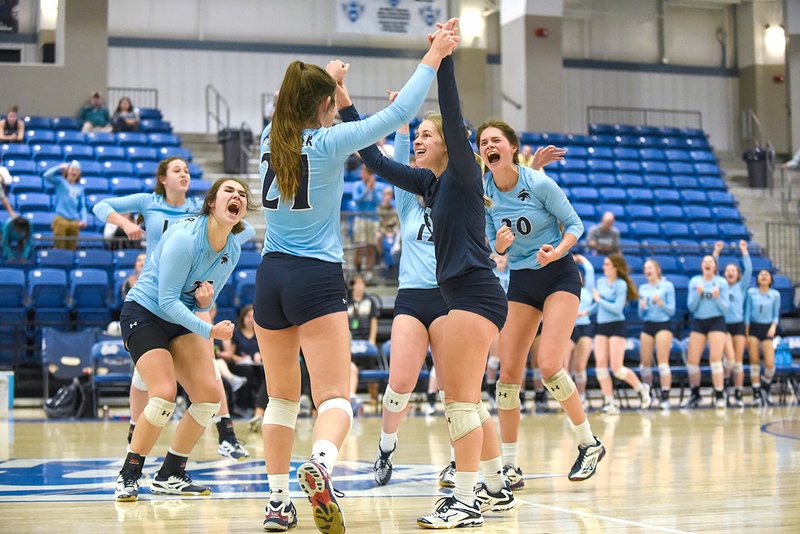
168 342
656 308
582 332
735 339
300 291
708 299
166 205
762 312
612 291
544 287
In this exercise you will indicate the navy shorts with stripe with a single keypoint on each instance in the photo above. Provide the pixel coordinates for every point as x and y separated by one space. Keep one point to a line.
143 331
533 286
480 292
290 290
425 305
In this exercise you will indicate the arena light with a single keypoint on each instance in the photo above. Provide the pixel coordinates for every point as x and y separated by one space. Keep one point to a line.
775 40
472 26
48 14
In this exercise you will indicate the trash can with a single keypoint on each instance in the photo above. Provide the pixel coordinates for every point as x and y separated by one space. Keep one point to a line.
758 174
236 144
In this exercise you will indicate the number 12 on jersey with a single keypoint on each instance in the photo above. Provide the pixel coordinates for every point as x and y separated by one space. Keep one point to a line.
301 200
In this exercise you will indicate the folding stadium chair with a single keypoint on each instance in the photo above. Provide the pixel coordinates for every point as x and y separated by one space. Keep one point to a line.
139 153
641 198
46 151
109 153
132 138
118 169
76 151
602 179
125 186
12 288
33 202
55 259
70 137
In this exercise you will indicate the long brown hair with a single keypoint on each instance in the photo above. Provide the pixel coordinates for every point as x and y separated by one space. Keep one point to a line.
211 194
161 171
507 131
304 87
621 266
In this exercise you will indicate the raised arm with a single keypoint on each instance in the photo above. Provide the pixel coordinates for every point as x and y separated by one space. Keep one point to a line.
402 145
54 175
111 210
459 151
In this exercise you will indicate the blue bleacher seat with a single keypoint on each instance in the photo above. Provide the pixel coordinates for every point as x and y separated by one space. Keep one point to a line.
585 211
666 196
600 128
199 186
690 264
100 138
600 165
195 171
655 154
40 136
93 317
655 167
186 155
526 138
126 259
38 123
89 288
93 185
657 181
674 155
44 164
139 153
712 183
698 214
617 209
597 262
118 278
705 230
656 245
95 259
577 152
155 126
635 263
12 288
145 169
761 263
245 286
125 186
621 226
733 232
639 213
579 139
65 124
574 179
572 165
14 151
25 183
20 166
602 179
56 317
629 141
669 264
627 179
55 259
680 167
629 166
643 230
71 137
132 138
40 221
783 285
75 151
150 113
48 288
707 169
640 196
612 194
622 152
117 169
601 150
33 202
684 181
675 230
109 153
721 198
46 151
249 260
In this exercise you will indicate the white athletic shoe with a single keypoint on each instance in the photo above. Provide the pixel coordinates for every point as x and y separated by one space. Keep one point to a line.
586 463
494 502
279 516
232 449
127 489
610 408
452 513
179 484
447 477
514 477
644 396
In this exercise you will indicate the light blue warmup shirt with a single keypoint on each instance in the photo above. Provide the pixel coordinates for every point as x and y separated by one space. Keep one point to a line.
737 293
705 306
70 198
417 258
613 297
158 214
182 259
655 313
587 303
762 308
532 209
309 224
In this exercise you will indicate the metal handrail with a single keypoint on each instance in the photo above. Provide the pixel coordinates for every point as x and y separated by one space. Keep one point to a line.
752 130
142 97
679 118
219 103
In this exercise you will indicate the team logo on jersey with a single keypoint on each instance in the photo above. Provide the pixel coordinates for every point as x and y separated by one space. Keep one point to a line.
524 195
353 10
430 15
224 259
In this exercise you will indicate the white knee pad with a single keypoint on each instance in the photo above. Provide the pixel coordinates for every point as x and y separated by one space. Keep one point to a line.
217 374
337 403
717 368
393 401
692 369
507 396
646 371
602 373
738 367
493 363
158 411
281 412
483 413
138 382
580 377
560 385
664 370
203 412
621 373
462 418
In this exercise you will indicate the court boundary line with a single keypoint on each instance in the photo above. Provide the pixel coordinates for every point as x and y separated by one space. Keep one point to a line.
602 517
766 430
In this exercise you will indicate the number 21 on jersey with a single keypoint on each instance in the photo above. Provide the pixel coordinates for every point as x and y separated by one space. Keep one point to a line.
301 200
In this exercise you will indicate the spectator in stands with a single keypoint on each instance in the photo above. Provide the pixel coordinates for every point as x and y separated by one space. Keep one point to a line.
17 230
244 358
604 237
612 292
761 316
137 270
388 227
365 226
362 312
95 115
526 156
126 117
71 213
12 130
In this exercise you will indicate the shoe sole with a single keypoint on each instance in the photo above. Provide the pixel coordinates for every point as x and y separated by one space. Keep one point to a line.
328 516
472 524
129 498
278 527
168 491
599 458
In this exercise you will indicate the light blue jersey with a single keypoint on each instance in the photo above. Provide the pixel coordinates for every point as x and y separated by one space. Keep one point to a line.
158 214
587 303
705 306
613 297
70 198
308 225
738 291
417 257
533 210
762 308
657 313
182 259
